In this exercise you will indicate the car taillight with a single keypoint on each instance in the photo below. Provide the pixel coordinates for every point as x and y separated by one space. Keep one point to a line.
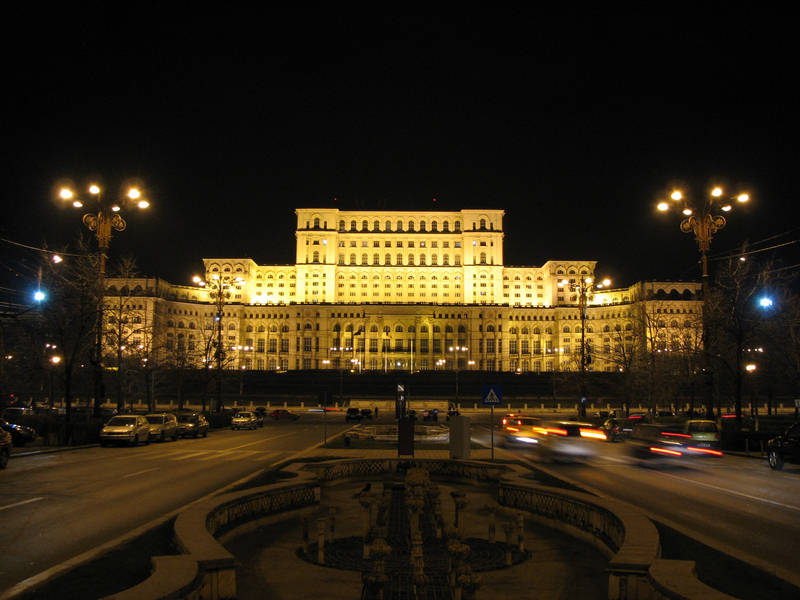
672 434
705 451
514 429
665 451
557 431
593 433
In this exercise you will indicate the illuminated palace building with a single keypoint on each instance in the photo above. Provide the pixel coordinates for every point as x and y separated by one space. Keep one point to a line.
403 290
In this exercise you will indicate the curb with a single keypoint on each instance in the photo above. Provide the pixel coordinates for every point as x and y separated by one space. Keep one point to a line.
51 450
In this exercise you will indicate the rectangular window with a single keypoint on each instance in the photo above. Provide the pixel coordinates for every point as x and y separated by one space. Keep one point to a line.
423 345
437 345
306 344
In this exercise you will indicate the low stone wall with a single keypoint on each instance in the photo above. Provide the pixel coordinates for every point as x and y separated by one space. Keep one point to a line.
207 570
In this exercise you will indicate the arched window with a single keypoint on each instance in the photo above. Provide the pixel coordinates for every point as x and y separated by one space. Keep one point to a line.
376 225
445 259
423 329
352 225
399 329
399 226
364 225
410 259
387 259
352 259
388 226
376 259
566 329
422 225
341 225
434 226
316 223
411 225
483 224
483 258
364 259
446 226
434 259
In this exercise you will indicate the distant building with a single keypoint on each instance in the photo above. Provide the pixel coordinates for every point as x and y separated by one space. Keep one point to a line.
386 290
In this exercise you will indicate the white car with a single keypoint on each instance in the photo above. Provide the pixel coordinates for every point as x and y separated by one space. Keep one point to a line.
244 420
125 429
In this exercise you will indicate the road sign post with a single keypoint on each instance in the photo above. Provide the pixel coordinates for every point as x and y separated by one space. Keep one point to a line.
492 395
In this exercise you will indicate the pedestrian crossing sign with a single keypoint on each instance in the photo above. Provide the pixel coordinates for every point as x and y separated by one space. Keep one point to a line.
492 395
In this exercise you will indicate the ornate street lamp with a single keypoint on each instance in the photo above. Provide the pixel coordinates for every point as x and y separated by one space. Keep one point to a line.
704 217
585 290
104 216
218 289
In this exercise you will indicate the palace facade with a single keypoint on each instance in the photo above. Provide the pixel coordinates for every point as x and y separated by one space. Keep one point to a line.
401 290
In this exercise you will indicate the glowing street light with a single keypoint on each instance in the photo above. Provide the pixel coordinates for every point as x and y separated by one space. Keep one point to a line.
104 217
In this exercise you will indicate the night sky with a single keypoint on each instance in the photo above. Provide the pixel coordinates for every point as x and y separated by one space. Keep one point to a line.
574 123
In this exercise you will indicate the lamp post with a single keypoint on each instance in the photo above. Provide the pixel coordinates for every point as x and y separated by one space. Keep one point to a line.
456 350
218 290
704 216
585 290
104 216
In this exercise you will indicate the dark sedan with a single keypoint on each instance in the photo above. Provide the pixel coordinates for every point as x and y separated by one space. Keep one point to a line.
784 448
20 434
281 414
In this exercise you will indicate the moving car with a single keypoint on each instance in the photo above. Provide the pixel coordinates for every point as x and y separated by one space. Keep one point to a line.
667 444
567 440
162 426
352 414
784 448
5 448
125 429
192 424
520 431
20 434
281 414
705 433
431 415
244 419
617 429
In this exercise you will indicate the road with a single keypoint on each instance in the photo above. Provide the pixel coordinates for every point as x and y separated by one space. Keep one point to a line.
733 503
56 506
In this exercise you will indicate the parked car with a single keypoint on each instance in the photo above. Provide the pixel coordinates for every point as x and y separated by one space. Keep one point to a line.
13 413
5 448
20 434
431 415
366 413
125 429
784 448
281 414
452 412
261 414
244 419
162 426
192 424
352 414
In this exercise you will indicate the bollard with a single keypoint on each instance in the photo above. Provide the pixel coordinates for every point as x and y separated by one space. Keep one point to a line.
521 532
305 536
321 527
331 522
492 526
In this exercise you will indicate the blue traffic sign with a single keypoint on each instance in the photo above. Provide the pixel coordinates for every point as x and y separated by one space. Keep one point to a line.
492 395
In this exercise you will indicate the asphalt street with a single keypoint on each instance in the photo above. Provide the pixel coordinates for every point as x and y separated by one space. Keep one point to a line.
56 506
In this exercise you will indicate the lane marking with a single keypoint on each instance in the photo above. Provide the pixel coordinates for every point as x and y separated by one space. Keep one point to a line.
189 455
21 503
139 472
734 493
274 437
